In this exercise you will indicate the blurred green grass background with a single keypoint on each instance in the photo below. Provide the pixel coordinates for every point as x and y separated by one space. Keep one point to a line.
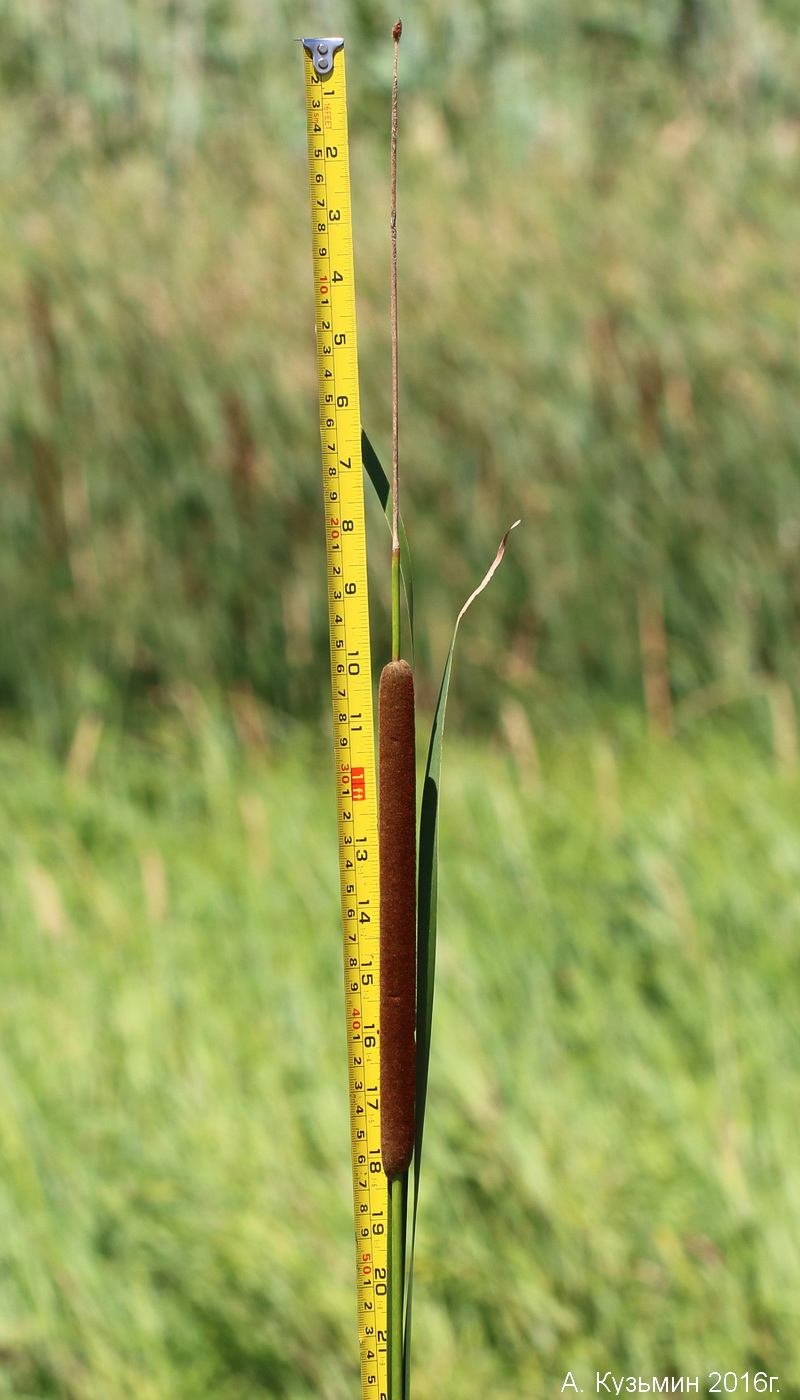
599 222
611 1178
599 230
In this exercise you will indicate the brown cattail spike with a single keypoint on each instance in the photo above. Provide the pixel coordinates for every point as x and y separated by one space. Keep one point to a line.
397 810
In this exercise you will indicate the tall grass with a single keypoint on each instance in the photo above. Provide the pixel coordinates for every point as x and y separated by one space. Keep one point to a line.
600 244
611 1183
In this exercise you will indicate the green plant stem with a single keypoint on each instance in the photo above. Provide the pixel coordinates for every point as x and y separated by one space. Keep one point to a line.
395 604
398 1186
398 1190
396 32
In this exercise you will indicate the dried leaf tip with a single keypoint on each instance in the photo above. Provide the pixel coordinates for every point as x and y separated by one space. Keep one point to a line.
397 31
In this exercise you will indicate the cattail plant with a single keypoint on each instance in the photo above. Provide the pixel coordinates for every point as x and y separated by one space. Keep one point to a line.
397 842
407 909
407 972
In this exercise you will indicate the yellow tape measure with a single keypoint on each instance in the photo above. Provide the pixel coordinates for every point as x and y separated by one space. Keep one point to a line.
351 676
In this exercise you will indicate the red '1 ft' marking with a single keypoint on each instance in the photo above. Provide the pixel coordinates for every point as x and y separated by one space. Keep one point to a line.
359 786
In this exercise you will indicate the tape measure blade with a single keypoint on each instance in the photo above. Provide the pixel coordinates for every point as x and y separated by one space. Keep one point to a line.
351 685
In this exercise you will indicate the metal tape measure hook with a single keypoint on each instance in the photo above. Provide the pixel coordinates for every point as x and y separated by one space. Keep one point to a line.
322 53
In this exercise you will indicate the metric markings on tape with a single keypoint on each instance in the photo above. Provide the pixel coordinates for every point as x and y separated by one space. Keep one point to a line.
351 676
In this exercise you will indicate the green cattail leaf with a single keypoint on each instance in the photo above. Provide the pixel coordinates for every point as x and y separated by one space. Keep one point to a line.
383 490
427 908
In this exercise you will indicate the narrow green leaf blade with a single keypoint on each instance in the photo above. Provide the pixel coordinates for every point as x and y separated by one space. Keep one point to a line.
383 490
427 909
